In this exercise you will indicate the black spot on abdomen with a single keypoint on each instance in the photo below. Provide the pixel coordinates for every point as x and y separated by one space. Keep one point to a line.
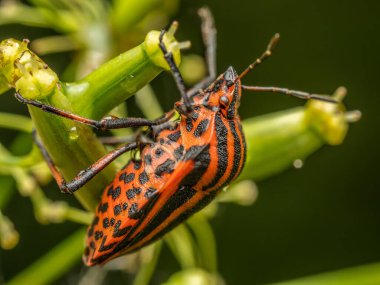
143 178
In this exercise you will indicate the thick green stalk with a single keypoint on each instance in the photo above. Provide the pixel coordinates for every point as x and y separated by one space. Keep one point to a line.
118 79
73 146
275 141
114 82
52 265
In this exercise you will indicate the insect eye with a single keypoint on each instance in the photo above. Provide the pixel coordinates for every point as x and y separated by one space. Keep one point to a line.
224 100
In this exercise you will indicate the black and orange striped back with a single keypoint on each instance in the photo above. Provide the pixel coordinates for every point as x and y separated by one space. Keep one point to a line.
179 173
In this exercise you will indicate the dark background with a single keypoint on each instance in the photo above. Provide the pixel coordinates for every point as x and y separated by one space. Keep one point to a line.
322 217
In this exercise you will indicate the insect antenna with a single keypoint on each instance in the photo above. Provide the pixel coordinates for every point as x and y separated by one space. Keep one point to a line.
299 94
267 53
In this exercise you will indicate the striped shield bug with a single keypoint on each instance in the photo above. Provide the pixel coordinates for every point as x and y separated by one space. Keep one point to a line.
184 160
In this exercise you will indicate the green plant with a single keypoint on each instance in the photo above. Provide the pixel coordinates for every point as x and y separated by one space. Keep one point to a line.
301 132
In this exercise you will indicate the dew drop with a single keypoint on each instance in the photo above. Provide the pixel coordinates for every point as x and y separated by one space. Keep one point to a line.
298 163
73 133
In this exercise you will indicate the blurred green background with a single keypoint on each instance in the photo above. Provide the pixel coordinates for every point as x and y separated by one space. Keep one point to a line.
322 217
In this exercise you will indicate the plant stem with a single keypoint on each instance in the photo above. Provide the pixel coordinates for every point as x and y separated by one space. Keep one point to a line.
73 146
15 122
78 216
7 186
53 264
118 79
147 102
368 274
181 243
206 242
123 17
275 141
146 270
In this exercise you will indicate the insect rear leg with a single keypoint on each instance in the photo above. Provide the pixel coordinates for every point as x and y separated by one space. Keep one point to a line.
83 176
209 40
104 124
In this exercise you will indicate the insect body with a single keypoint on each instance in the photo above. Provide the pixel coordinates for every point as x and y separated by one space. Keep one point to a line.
178 174
182 167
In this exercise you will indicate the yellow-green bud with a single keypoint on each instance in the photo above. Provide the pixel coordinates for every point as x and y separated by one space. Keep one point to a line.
25 71
329 119
154 52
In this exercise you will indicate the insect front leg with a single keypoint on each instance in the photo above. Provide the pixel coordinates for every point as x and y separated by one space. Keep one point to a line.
139 137
175 72
85 175
104 124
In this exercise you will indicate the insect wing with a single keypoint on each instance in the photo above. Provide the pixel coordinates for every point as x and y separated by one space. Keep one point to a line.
120 228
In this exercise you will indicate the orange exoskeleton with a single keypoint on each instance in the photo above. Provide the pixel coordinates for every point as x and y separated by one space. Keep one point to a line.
183 162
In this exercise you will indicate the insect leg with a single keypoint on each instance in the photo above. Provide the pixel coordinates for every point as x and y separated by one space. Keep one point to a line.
175 72
86 175
209 39
295 93
104 124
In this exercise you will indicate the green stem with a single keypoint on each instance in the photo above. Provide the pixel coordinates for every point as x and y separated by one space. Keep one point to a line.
21 14
118 79
181 244
146 270
276 140
53 264
206 241
368 274
45 210
26 161
147 102
78 216
6 192
15 122
128 13
73 146
112 83
9 236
